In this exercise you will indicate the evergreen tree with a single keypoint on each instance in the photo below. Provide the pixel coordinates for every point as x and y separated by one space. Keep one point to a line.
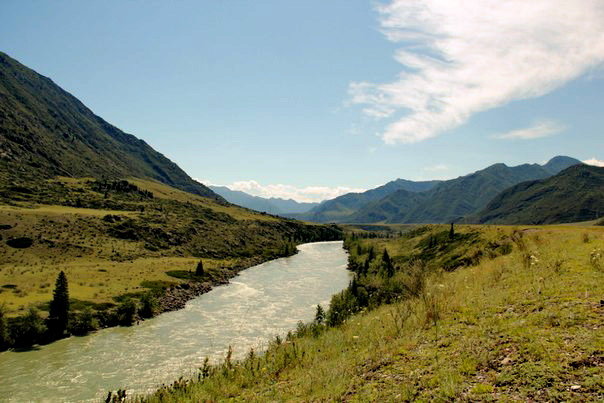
359 250
199 269
452 231
59 307
320 315
371 254
387 264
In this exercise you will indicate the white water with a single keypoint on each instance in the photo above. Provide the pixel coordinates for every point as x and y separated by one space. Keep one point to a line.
263 301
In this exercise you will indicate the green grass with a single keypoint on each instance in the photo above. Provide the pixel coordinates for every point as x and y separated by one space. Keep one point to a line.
112 242
526 325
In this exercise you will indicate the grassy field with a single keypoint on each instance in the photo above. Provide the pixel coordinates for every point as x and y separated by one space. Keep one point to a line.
114 242
522 321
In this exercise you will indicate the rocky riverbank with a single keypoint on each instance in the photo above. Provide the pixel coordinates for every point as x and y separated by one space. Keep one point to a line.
176 297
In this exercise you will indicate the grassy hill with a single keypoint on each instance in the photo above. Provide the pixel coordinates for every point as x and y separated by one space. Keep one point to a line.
126 225
453 199
125 240
47 132
518 316
343 207
573 195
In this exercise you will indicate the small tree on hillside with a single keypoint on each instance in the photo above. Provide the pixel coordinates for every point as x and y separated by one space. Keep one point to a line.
320 315
452 231
199 269
387 264
59 306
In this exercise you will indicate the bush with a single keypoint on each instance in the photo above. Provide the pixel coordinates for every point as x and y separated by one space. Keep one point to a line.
28 330
83 323
126 313
149 306
5 339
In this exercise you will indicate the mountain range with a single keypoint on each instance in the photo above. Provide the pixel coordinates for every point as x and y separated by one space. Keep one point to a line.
575 194
272 205
403 201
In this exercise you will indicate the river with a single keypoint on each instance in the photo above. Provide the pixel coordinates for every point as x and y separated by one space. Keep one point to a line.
261 302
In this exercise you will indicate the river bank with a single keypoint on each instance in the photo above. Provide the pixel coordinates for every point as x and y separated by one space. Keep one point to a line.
261 302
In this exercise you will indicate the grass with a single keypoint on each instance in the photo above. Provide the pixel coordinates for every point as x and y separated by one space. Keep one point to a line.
525 325
127 238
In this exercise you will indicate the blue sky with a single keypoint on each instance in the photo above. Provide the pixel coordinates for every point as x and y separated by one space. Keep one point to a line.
312 99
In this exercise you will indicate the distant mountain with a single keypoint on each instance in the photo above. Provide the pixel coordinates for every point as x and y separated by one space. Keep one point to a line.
453 199
575 194
343 207
45 132
271 205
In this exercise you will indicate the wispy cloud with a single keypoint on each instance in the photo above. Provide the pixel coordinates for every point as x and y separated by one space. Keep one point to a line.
462 57
437 168
538 130
594 161
301 194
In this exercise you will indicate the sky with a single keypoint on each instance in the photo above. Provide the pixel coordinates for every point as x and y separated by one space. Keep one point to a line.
312 99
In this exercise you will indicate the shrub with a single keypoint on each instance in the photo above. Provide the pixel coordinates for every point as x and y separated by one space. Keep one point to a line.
126 312
149 306
5 339
83 323
28 330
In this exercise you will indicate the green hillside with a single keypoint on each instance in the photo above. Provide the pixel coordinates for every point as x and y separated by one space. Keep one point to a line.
576 194
488 314
126 225
343 207
45 132
453 199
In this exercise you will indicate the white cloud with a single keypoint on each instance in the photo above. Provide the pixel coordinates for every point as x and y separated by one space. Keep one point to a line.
541 129
301 194
462 57
437 168
595 162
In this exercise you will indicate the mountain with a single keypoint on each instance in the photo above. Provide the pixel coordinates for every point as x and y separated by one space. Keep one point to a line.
559 164
45 132
343 207
455 198
575 194
273 205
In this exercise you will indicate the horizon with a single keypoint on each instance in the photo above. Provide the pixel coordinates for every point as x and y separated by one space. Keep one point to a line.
348 97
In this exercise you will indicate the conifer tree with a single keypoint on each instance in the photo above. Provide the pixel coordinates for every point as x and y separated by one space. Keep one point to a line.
320 315
452 231
199 269
59 306
371 254
387 264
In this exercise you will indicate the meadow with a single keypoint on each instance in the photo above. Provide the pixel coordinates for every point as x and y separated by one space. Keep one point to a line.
520 320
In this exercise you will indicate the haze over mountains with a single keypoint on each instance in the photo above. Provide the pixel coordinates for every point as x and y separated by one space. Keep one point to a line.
272 205
404 201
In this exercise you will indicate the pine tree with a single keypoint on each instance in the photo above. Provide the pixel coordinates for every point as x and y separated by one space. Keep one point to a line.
199 269
59 306
320 315
371 254
387 264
